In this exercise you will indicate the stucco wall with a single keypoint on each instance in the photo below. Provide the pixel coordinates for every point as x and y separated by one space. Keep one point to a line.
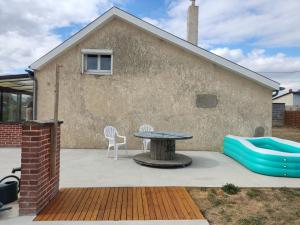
287 99
153 82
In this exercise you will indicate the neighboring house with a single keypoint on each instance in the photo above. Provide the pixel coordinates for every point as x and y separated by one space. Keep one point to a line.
291 98
122 71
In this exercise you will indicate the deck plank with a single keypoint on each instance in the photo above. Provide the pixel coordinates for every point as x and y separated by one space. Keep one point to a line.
67 205
176 200
173 211
92 208
192 204
145 204
141 215
109 203
113 205
134 204
82 204
80 194
129 204
47 210
121 203
157 204
103 205
86 207
150 204
175 204
165 204
124 204
59 206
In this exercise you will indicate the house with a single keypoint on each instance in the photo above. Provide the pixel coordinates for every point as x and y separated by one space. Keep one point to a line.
291 98
122 71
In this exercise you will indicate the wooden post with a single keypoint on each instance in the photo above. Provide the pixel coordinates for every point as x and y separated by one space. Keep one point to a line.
55 125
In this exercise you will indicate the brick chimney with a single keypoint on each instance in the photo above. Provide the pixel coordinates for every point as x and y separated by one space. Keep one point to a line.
192 23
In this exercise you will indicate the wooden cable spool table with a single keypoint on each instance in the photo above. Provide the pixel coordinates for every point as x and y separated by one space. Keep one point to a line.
162 150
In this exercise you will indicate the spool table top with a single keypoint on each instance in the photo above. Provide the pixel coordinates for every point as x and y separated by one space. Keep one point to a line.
160 135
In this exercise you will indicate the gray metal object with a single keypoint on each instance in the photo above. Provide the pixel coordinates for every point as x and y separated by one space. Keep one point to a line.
4 208
206 101
259 132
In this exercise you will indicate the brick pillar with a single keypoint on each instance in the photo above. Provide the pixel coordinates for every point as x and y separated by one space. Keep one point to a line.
38 186
10 134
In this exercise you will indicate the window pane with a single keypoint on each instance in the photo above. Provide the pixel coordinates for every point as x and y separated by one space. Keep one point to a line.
105 62
91 62
26 107
10 107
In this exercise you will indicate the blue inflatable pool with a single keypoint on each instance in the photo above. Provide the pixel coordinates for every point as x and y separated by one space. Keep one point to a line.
266 155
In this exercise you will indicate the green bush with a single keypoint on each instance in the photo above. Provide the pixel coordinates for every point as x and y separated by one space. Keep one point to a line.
231 189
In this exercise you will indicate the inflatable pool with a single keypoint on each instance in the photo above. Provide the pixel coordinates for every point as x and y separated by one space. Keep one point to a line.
265 155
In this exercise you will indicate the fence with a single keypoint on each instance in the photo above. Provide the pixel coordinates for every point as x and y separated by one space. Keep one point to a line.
292 118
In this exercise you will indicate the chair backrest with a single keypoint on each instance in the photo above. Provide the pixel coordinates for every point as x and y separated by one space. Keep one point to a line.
110 132
146 128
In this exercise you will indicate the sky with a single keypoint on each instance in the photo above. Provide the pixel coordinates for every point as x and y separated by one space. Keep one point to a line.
262 35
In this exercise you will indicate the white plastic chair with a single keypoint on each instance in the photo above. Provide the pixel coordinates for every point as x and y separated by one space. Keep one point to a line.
146 128
111 133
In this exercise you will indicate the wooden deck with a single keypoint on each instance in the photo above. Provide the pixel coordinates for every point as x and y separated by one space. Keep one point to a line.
121 203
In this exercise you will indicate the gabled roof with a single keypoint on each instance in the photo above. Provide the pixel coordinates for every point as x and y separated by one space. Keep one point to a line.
116 12
291 92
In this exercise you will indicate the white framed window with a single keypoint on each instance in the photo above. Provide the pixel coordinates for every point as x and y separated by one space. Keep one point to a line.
97 61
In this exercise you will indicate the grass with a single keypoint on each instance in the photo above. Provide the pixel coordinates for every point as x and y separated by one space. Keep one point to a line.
249 206
289 133
253 220
254 193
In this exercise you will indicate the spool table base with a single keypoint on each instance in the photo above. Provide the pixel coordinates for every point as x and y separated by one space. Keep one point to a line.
178 160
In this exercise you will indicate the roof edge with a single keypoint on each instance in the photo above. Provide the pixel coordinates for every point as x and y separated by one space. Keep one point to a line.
14 76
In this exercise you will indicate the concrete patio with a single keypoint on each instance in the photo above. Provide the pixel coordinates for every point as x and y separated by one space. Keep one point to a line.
91 168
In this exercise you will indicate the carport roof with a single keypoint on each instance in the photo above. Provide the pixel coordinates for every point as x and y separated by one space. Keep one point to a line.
16 82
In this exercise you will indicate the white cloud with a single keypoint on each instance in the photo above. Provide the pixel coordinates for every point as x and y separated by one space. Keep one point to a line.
262 22
258 60
288 80
279 67
26 31
18 51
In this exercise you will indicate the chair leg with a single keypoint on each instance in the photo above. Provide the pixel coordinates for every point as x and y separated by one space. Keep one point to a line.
108 151
116 152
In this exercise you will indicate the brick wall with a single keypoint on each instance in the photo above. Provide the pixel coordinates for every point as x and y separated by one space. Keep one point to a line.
292 118
10 134
278 114
38 185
